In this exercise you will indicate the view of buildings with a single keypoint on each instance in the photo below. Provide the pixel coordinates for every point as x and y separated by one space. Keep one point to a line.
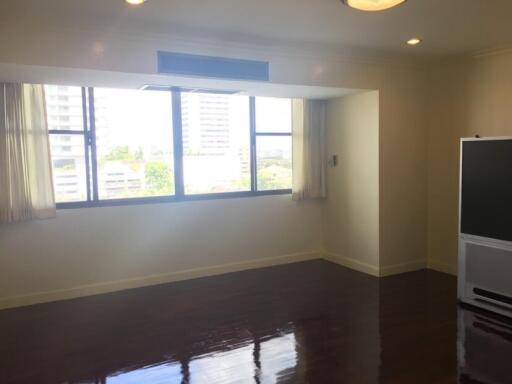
64 112
216 142
273 153
133 140
135 143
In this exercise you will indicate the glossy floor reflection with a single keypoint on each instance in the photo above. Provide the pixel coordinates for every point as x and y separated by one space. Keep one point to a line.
485 348
311 322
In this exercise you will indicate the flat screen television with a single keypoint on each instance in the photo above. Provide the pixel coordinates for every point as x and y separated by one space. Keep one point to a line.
486 188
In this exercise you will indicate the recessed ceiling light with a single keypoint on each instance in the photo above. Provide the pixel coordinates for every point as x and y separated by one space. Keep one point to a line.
135 2
414 41
373 5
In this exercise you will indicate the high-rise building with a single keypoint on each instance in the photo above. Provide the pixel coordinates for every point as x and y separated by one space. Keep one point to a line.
215 142
64 113
206 123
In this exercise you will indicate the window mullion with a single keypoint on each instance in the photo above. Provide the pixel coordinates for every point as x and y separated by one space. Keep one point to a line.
87 141
177 125
92 144
252 129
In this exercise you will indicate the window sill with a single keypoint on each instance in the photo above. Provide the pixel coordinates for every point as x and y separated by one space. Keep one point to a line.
170 199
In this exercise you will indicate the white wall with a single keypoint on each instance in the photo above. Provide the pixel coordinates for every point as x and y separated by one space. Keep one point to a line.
99 245
403 172
68 258
467 98
351 211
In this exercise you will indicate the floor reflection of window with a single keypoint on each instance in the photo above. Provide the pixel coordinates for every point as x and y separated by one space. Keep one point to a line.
157 374
261 362
278 357
234 366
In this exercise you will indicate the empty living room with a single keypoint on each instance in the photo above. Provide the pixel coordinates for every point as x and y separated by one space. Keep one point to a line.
260 192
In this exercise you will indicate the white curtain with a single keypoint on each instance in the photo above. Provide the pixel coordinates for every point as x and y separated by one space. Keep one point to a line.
26 188
308 133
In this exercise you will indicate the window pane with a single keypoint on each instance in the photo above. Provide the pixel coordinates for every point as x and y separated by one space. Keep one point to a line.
274 162
273 115
64 107
134 143
216 142
68 160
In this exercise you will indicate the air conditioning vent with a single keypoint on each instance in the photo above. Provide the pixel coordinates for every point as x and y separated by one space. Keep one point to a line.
484 275
493 296
212 66
153 87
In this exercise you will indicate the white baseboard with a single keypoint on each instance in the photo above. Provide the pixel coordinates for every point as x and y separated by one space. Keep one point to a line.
119 285
437 265
375 270
396 269
352 263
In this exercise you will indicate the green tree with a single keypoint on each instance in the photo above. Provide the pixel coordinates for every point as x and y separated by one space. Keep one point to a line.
158 177
242 184
123 153
274 177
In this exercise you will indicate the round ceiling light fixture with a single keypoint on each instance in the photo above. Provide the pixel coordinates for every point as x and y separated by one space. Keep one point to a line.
372 5
135 2
414 41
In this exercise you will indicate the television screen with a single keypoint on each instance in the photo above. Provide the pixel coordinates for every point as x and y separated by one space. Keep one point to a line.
486 194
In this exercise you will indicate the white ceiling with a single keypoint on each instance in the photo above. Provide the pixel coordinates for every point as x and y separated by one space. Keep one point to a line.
447 26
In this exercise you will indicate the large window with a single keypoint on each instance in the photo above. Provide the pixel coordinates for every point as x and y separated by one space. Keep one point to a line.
114 146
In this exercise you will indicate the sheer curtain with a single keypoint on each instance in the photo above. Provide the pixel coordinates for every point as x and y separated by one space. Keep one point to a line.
308 135
26 188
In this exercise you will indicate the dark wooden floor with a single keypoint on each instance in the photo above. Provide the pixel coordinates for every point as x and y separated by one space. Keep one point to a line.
311 322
